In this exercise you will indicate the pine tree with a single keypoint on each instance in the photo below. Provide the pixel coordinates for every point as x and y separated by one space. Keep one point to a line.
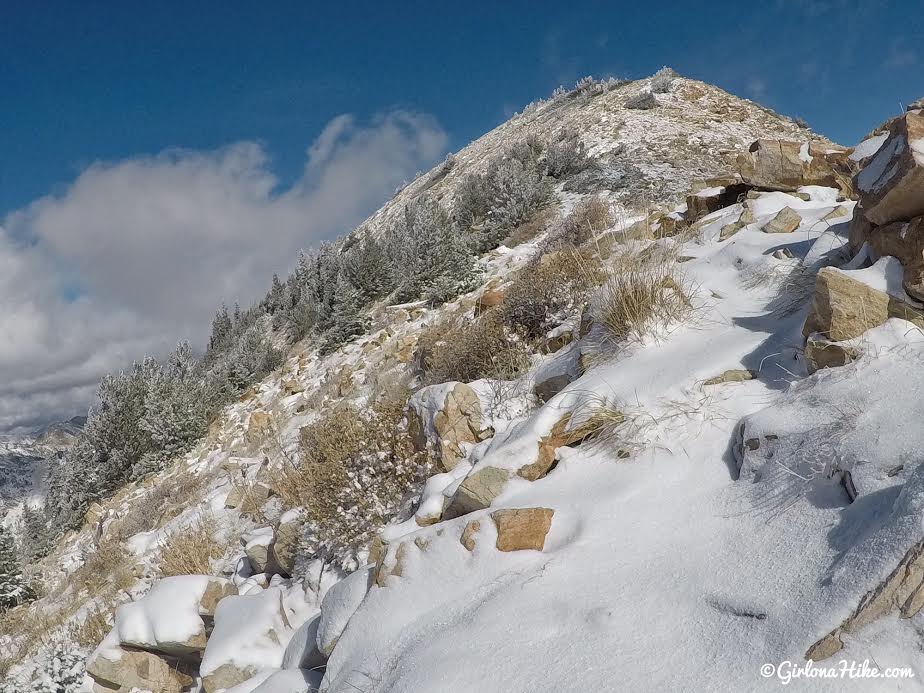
34 535
347 318
222 329
13 587
367 268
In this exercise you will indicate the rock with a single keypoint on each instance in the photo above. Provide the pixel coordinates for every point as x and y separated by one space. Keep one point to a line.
559 436
823 353
844 307
859 230
489 298
557 339
522 528
257 546
905 241
644 100
891 184
787 165
746 217
712 195
468 534
787 220
302 651
339 605
260 621
445 417
285 548
168 619
476 491
259 425
731 376
114 668
227 676
290 387
551 386
902 591
248 498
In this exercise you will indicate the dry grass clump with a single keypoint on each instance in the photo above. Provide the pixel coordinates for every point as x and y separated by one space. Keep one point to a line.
91 631
550 290
531 228
590 217
108 567
358 470
483 348
192 550
640 294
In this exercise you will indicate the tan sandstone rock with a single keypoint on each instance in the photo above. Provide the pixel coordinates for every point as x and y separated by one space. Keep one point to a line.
120 669
786 220
844 307
891 184
522 529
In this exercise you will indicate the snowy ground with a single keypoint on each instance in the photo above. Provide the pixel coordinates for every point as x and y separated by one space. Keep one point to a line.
666 571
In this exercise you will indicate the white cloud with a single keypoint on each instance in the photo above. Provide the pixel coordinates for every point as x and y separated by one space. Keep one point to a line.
137 254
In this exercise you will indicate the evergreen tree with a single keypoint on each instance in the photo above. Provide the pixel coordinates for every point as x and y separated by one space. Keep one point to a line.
367 268
347 318
13 588
222 329
35 541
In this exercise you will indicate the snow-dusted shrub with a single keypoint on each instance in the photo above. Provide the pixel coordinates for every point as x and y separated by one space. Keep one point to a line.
639 295
518 192
566 155
644 100
191 551
662 80
485 348
589 217
60 671
358 471
547 292
94 627
14 589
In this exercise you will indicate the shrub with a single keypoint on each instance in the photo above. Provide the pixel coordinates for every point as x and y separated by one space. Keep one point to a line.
547 292
484 348
94 627
662 80
566 155
358 471
192 550
644 100
589 217
640 294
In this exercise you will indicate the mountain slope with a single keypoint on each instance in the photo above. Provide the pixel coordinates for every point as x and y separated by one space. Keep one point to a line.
620 443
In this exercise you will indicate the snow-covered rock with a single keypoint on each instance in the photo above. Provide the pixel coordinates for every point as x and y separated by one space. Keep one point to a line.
339 604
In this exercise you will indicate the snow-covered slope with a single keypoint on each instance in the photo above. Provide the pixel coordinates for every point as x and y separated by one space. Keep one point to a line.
694 506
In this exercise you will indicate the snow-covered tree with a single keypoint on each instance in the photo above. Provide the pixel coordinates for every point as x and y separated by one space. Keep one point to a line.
347 318
367 268
34 536
13 587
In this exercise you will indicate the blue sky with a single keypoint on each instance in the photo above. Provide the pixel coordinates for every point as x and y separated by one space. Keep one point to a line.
105 80
158 159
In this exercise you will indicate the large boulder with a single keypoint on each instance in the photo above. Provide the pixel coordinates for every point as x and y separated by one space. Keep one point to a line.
114 668
891 184
303 652
339 605
444 418
848 303
788 165
169 619
905 241
249 635
477 491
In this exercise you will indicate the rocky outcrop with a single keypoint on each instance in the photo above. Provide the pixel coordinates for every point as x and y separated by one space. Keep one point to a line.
124 670
788 165
444 418
891 183
844 307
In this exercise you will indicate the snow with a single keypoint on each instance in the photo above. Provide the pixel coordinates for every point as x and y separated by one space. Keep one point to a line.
250 630
339 604
665 571
868 147
167 617
884 276
877 173
711 192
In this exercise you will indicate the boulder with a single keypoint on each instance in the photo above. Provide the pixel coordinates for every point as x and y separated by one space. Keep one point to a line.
712 195
443 418
905 241
843 307
786 220
114 668
522 529
788 165
339 605
547 388
248 636
257 546
302 652
891 184
823 353
746 217
476 491
285 547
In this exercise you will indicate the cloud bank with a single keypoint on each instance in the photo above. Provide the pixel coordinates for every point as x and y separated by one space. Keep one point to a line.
137 254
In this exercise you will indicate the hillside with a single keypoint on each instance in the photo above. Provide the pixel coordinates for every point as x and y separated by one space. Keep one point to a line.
659 435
